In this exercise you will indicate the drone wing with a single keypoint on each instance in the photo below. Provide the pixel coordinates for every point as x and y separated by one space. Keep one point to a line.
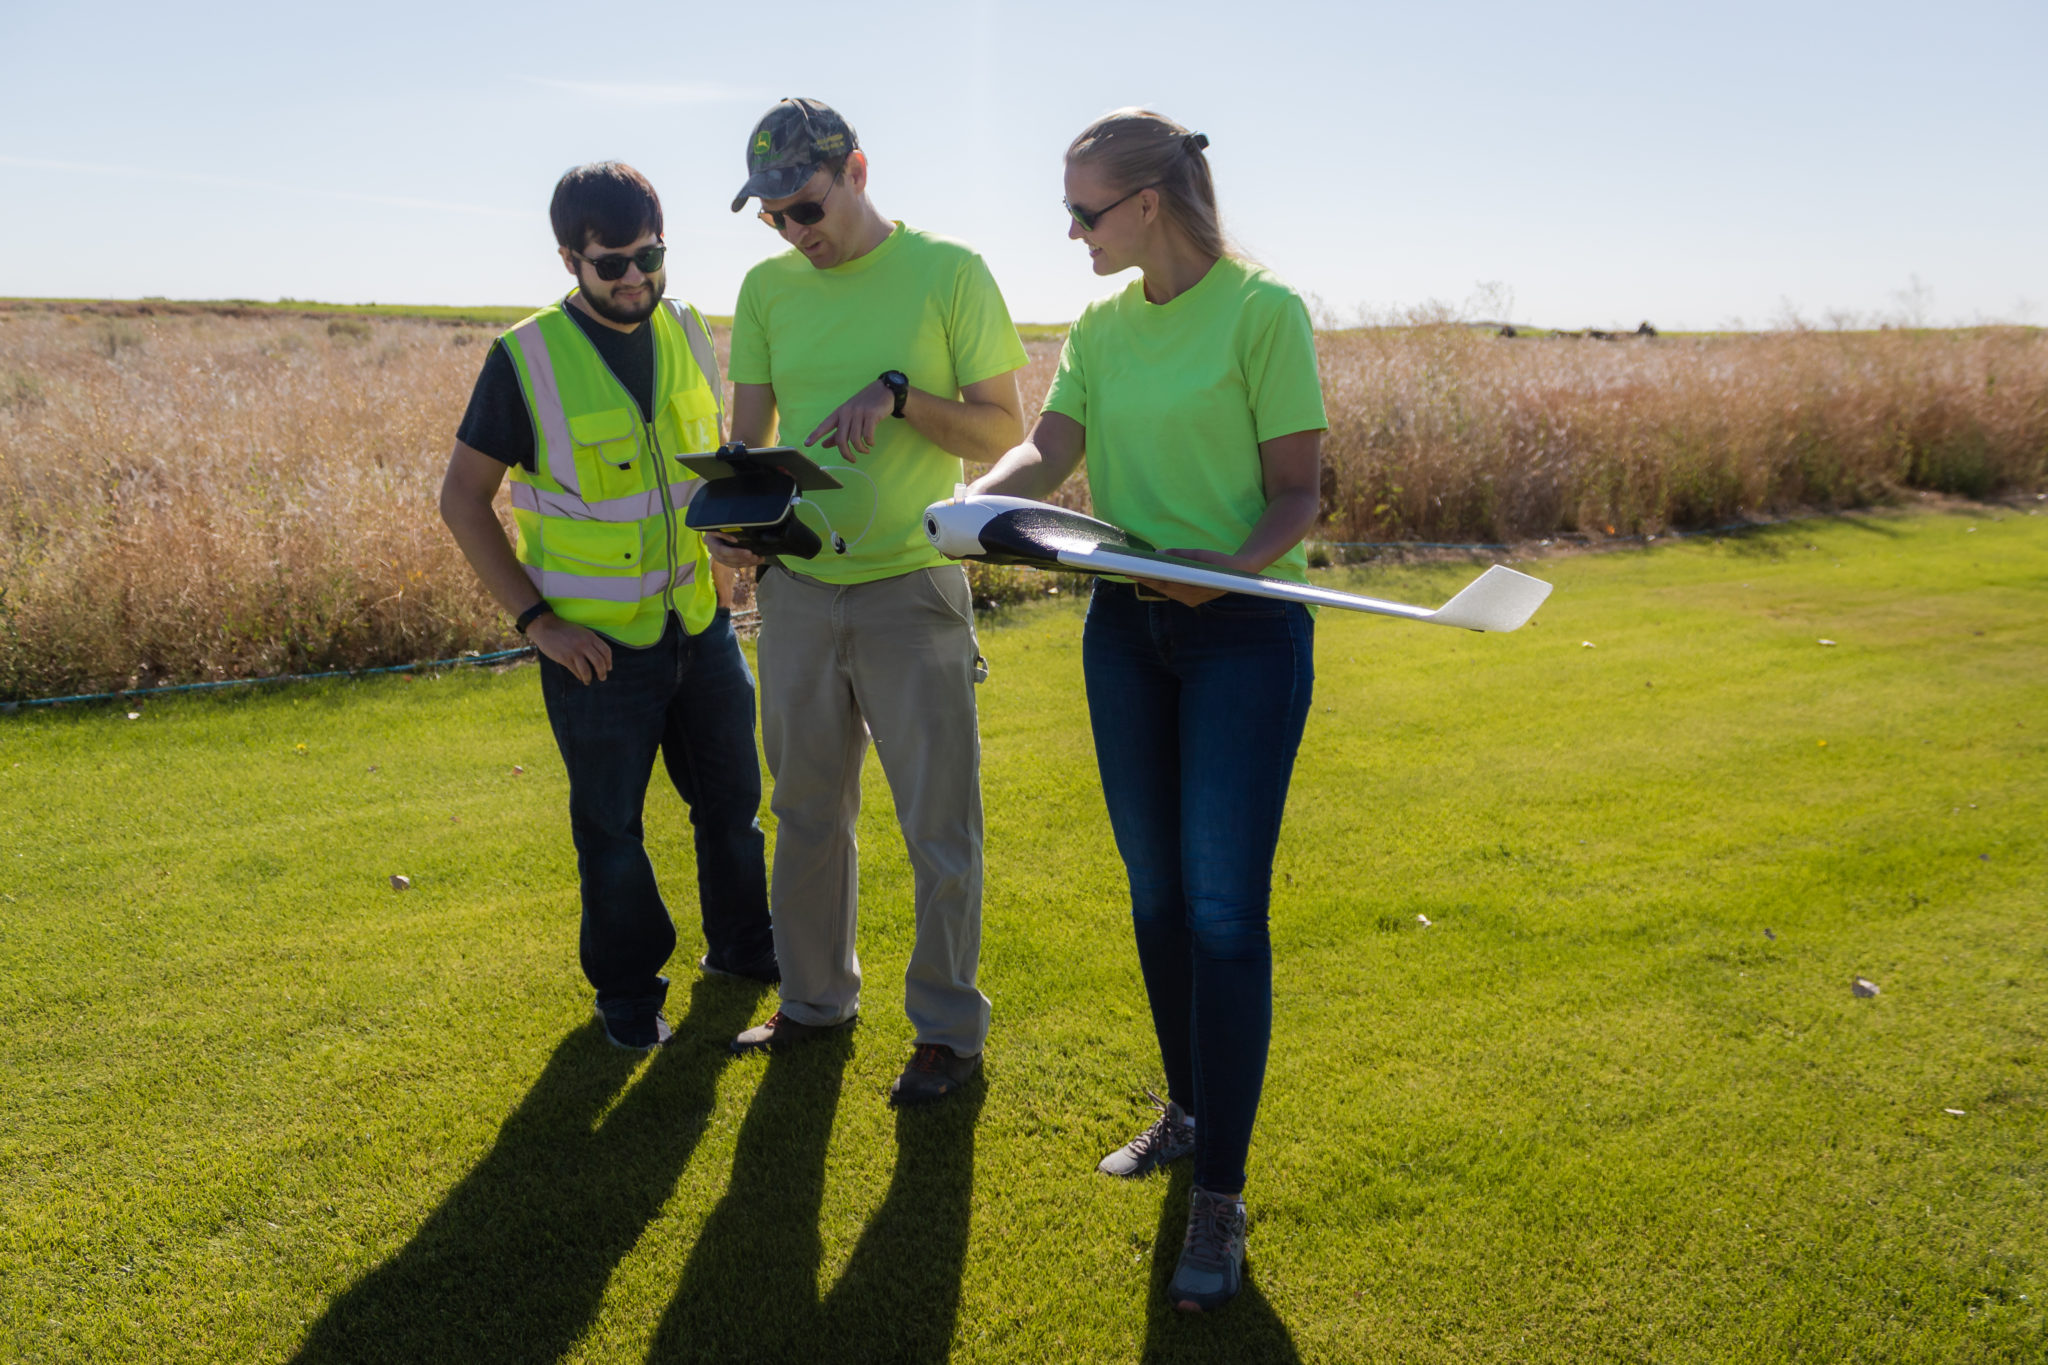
1498 600
1004 530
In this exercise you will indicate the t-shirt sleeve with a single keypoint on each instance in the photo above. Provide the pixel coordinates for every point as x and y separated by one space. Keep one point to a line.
1280 373
984 339
1069 393
748 363
497 422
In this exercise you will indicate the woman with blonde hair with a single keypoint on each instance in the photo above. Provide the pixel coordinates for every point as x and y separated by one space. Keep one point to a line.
1194 397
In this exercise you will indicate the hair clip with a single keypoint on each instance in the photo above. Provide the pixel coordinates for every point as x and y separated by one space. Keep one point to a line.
1194 142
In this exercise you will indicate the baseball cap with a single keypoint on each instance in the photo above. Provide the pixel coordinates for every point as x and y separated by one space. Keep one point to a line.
789 144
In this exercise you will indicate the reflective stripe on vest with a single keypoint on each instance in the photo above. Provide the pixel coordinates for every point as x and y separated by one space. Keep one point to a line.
557 583
547 404
637 507
702 352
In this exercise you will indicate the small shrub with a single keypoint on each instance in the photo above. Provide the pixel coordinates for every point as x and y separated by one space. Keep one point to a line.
111 337
20 390
348 329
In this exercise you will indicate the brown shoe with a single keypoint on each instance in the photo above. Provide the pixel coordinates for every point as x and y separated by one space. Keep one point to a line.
935 1071
782 1031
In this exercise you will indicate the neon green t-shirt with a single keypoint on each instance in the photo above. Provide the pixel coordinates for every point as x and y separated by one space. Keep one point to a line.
919 303
1176 397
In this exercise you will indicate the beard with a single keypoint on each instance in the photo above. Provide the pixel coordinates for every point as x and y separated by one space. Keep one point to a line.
627 317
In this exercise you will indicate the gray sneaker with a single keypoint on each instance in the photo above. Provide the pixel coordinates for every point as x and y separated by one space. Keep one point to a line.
781 1031
639 1033
637 1025
1211 1265
1170 1138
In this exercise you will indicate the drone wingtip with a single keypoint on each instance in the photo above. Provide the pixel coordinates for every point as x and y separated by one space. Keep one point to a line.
1499 600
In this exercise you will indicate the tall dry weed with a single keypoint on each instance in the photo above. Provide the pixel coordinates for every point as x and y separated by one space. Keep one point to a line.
1445 432
195 497
201 497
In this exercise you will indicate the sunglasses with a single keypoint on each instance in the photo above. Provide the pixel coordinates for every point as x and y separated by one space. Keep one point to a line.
648 258
1088 218
810 213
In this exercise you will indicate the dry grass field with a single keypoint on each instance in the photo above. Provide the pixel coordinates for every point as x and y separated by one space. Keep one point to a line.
189 496
1446 433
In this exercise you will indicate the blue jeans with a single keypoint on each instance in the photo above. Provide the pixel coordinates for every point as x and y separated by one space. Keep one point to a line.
692 698
1198 713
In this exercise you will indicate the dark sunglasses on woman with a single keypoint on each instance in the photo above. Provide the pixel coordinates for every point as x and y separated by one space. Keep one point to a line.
1088 218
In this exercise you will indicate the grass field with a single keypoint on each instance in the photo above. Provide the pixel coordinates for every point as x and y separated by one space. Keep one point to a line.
1616 1101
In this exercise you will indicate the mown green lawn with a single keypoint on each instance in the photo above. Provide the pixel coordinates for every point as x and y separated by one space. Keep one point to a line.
1615 1101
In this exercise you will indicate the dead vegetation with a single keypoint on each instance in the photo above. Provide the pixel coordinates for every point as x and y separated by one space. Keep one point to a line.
188 496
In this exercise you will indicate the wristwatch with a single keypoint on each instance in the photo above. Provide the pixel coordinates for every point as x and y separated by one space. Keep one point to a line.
898 383
532 614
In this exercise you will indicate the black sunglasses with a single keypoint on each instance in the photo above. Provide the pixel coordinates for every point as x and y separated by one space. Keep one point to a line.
810 213
1088 218
648 258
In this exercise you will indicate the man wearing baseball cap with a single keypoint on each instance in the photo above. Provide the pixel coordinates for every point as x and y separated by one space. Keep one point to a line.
889 354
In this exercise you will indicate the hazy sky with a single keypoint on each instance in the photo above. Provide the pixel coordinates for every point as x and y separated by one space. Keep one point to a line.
1691 164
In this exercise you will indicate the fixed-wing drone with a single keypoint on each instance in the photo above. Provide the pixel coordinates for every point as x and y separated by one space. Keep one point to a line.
1003 530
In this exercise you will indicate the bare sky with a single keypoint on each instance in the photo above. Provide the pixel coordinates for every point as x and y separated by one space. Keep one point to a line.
1573 164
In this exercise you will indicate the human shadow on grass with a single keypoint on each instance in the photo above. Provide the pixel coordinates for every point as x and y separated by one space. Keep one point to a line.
1245 1331
750 1290
513 1265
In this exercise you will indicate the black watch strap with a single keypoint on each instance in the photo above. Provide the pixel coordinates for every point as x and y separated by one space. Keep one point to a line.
531 614
898 383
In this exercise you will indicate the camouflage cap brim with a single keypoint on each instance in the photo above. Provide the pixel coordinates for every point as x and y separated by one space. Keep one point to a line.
773 184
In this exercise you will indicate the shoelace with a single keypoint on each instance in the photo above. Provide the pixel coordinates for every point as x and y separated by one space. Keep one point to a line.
1215 1229
1165 1131
928 1057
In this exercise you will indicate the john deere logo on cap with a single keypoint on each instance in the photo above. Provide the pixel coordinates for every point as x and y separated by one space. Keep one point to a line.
763 145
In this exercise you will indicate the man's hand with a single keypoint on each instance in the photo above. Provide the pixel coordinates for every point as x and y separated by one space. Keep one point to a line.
1186 594
730 552
580 650
851 427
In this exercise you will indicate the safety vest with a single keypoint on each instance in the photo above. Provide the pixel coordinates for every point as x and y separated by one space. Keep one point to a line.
600 515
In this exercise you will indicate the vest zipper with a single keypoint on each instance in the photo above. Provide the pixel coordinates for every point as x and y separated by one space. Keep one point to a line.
668 519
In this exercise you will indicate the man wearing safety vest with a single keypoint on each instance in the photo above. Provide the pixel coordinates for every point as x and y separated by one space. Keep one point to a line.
890 354
586 405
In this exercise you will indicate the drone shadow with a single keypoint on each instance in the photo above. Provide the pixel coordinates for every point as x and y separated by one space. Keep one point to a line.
512 1266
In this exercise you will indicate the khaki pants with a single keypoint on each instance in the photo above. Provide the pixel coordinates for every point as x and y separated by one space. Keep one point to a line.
894 659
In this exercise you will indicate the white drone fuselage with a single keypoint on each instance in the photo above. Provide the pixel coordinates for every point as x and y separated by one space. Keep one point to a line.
1003 530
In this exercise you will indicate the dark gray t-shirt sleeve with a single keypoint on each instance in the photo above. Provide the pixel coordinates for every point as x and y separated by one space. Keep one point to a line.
497 423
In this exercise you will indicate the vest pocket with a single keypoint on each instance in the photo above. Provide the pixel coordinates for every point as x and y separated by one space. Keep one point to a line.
607 442
611 546
690 422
